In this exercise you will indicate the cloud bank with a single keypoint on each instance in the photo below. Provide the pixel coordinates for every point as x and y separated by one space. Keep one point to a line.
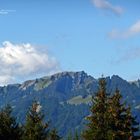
131 31
105 5
19 61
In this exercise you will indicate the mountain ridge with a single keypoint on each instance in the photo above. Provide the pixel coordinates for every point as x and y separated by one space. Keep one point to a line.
65 97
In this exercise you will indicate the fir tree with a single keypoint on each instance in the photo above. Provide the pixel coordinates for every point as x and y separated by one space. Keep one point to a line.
9 128
110 118
98 122
34 128
122 124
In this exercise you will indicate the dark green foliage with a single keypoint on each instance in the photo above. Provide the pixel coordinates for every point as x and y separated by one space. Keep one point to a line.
34 128
98 125
110 119
122 124
9 129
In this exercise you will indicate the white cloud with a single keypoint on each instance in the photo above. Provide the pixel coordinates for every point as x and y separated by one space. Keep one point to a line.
131 31
6 11
5 79
105 5
18 61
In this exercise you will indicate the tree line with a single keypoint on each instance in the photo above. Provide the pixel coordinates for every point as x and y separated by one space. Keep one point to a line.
109 119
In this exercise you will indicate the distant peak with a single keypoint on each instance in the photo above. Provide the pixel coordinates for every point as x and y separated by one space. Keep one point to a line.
69 73
116 77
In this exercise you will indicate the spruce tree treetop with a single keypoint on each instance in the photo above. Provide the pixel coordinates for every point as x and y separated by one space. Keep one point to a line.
98 123
35 128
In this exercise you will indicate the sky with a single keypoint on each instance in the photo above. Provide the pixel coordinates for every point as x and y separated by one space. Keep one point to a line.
43 37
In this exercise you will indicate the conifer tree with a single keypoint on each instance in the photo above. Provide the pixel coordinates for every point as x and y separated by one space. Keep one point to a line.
110 118
122 124
35 128
9 128
98 122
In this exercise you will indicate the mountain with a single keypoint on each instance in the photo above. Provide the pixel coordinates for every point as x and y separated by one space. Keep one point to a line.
65 97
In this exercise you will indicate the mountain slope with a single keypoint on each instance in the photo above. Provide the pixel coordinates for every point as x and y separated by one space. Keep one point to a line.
65 97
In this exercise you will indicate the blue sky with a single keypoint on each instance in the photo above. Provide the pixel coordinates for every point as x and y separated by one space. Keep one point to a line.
42 37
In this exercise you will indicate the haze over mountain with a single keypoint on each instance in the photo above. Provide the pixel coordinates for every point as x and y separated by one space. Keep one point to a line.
65 97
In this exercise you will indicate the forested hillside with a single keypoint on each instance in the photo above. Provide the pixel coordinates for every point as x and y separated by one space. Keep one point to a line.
65 98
